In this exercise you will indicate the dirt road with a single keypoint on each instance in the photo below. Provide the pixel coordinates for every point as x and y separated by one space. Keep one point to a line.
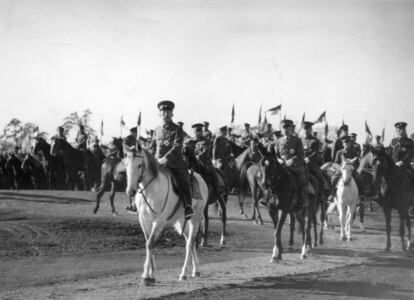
52 246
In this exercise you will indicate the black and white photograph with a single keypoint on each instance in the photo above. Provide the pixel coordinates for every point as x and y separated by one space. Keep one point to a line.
205 149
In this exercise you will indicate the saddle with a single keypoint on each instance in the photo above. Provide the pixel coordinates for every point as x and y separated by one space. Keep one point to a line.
195 189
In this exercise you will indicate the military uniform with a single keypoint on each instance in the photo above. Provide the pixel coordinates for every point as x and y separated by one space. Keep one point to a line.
246 137
208 135
222 151
291 148
313 158
402 150
129 143
357 149
339 159
232 137
81 141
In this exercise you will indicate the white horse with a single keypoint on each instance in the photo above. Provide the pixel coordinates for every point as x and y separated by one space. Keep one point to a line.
346 198
159 206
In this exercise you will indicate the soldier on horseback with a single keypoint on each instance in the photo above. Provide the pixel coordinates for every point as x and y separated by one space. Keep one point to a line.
130 142
82 139
167 146
200 147
313 157
246 136
222 149
348 152
402 149
290 153
206 132
338 145
61 133
232 137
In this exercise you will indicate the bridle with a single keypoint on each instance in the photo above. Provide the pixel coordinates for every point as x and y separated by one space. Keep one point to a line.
142 189
347 182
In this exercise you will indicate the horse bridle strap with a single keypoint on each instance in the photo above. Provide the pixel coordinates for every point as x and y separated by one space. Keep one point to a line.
141 191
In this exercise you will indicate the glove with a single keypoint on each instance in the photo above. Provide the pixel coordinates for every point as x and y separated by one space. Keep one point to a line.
289 162
162 161
399 163
281 161
307 160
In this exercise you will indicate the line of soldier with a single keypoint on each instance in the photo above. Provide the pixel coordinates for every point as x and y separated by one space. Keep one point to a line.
298 155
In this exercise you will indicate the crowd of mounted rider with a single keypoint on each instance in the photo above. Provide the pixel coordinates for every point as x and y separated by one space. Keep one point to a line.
212 154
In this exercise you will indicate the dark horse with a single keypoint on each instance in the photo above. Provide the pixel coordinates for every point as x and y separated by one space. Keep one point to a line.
394 192
219 196
74 161
281 191
113 177
13 169
34 168
52 165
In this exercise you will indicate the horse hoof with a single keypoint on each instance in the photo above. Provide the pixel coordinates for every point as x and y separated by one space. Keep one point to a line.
275 260
183 278
261 222
321 242
361 227
303 256
245 216
147 281
115 214
95 211
387 250
196 274
342 238
315 245
350 239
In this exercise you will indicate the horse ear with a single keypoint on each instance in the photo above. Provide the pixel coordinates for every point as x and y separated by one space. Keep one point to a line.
139 147
354 160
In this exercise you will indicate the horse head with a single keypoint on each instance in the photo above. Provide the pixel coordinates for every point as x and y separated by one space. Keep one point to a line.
346 170
270 171
140 166
27 163
380 165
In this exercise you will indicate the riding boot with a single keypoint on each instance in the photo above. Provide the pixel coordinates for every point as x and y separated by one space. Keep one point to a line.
334 182
183 179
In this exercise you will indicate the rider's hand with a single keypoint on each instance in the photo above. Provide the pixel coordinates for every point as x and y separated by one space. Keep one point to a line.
307 160
281 161
162 161
399 163
289 162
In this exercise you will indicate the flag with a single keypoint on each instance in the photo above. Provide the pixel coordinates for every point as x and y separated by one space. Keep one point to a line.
383 135
102 133
343 122
321 118
284 117
275 110
139 120
122 121
367 130
326 130
232 114
303 121
265 120
260 116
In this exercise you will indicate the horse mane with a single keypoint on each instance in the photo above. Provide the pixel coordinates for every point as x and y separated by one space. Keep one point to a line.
153 165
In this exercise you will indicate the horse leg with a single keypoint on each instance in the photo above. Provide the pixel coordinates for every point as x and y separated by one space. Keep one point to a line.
222 204
402 229
112 197
189 245
349 221
341 213
192 240
278 217
205 229
99 192
148 274
303 220
361 214
387 213
241 198
322 220
292 220
315 226
408 223
254 197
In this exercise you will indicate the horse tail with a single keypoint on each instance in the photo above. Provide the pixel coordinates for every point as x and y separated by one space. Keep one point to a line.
243 180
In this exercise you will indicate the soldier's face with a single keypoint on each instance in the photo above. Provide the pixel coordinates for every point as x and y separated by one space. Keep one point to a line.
197 133
308 131
399 131
166 115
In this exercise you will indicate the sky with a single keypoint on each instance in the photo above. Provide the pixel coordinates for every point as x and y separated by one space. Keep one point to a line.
354 59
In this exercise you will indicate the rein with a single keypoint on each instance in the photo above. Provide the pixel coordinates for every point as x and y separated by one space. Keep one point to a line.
141 191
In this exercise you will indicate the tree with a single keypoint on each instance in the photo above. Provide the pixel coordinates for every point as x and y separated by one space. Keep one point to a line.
14 130
74 120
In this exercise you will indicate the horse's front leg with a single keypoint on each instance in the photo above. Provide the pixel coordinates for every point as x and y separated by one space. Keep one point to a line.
402 230
189 245
112 197
408 223
148 274
292 220
387 213
205 229
222 204
322 220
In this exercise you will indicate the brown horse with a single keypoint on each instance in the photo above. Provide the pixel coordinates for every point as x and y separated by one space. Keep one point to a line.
76 162
394 184
280 189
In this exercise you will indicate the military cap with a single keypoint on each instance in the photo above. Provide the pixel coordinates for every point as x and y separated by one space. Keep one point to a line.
400 125
224 128
378 137
229 128
197 126
287 123
206 123
166 105
246 125
180 123
353 135
344 127
346 139
60 128
133 129
307 124
277 133
151 131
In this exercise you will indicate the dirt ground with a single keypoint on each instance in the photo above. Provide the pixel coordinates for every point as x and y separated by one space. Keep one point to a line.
53 247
